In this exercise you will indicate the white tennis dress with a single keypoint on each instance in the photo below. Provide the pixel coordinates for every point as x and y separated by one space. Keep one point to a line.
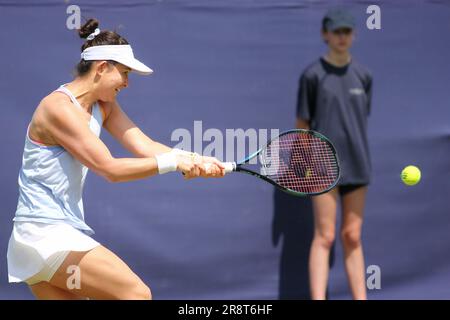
49 220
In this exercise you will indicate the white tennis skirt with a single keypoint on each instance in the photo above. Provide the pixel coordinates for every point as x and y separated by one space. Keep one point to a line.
36 250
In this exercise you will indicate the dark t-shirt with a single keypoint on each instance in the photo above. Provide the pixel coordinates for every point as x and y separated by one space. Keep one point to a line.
336 102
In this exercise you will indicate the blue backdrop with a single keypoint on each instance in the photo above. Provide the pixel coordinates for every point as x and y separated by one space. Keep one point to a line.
235 64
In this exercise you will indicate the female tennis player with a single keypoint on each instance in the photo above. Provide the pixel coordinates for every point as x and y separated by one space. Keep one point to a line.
334 99
50 241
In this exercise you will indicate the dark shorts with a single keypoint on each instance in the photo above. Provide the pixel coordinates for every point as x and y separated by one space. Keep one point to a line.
347 188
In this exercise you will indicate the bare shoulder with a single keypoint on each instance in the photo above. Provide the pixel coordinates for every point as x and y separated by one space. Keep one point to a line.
107 108
56 106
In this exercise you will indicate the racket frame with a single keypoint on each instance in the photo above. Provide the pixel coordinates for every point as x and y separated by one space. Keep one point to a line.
238 166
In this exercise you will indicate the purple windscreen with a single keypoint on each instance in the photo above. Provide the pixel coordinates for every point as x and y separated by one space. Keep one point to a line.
300 161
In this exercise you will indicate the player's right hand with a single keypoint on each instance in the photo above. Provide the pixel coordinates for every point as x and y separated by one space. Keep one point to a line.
192 165
213 168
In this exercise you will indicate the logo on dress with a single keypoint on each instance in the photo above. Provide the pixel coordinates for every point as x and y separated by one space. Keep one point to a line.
356 91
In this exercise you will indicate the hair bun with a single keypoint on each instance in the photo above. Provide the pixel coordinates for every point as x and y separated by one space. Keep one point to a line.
88 28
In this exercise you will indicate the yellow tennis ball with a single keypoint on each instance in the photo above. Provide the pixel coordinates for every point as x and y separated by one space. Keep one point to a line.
410 175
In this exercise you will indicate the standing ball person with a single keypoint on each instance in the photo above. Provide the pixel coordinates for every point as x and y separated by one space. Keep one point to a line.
62 142
334 98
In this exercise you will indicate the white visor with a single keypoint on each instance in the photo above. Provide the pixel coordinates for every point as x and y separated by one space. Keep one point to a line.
119 53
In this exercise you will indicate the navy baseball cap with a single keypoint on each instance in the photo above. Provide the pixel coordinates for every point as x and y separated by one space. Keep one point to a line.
338 18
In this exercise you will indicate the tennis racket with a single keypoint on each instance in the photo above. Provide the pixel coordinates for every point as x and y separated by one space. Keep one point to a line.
299 162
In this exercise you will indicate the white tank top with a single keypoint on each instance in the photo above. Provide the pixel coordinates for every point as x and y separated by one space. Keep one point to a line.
51 180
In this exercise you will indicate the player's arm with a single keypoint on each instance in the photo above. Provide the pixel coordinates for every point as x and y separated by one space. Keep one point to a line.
70 130
306 100
123 129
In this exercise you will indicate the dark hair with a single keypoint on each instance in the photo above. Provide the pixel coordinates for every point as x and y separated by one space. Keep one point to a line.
103 38
325 21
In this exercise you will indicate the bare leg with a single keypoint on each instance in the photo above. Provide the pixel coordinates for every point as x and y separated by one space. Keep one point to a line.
352 220
324 234
102 275
45 291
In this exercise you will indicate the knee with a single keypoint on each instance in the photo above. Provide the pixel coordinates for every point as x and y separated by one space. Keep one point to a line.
325 238
351 238
137 291
142 292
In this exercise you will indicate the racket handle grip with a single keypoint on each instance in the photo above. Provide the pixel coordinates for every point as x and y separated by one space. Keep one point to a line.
229 166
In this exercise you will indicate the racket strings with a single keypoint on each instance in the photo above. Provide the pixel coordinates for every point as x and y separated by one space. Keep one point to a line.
301 162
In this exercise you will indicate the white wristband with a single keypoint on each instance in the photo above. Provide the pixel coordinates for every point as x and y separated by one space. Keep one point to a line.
167 162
